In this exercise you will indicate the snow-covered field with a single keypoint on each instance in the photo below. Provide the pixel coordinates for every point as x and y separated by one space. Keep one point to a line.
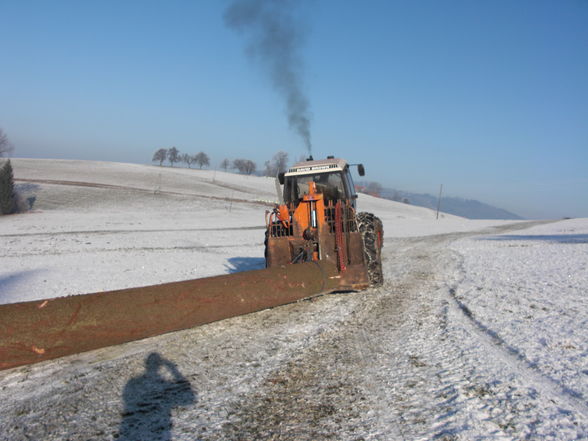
157 225
525 294
479 332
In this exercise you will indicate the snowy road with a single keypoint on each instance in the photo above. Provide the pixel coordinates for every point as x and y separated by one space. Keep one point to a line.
406 361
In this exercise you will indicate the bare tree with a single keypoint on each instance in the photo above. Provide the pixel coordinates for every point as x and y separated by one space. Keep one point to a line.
249 167
225 164
278 164
5 145
160 155
238 165
188 159
280 159
173 155
244 166
269 169
202 159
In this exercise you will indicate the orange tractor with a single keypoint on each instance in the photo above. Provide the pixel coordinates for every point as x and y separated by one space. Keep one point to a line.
316 243
316 220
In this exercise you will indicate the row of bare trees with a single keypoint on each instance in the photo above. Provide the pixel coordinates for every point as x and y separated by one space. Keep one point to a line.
245 166
278 163
173 155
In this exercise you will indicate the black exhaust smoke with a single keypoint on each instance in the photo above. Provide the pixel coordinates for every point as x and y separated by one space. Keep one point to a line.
275 37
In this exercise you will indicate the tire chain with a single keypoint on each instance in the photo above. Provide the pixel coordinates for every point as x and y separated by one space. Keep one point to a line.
370 228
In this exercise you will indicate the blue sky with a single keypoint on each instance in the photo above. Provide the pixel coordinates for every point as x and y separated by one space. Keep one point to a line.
489 98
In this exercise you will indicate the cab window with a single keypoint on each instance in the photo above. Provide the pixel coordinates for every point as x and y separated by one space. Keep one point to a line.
329 184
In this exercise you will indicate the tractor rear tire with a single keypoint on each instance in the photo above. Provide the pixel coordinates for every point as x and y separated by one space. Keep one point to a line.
372 232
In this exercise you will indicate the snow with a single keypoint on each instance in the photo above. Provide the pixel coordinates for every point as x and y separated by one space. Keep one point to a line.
479 332
526 295
81 239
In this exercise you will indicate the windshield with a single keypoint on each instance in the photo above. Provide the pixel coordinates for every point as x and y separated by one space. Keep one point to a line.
329 184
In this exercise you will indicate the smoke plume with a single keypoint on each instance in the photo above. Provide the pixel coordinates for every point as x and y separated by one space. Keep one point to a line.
275 38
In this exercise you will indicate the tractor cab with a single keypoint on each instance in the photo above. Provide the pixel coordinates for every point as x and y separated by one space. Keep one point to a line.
331 178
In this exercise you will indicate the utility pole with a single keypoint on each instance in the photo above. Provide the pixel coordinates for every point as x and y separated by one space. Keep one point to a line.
439 200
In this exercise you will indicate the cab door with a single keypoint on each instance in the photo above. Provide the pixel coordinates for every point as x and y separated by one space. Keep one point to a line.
349 186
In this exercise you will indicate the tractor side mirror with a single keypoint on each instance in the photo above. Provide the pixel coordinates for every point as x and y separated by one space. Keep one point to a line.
281 178
360 169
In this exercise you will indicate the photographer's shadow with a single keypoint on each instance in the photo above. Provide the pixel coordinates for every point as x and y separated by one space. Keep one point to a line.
150 398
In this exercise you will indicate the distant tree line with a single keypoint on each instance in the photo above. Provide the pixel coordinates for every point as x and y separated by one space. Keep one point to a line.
245 166
278 163
173 155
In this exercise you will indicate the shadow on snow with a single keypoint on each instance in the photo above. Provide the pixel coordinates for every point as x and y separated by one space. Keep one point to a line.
558 238
9 280
150 398
238 264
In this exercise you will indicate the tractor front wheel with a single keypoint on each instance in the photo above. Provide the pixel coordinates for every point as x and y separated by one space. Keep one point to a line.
372 232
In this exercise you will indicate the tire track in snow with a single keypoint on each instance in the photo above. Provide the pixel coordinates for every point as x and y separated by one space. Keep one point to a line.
385 364
513 358
377 356
398 353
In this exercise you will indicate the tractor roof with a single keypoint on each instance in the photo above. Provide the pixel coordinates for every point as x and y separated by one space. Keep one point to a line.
318 166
